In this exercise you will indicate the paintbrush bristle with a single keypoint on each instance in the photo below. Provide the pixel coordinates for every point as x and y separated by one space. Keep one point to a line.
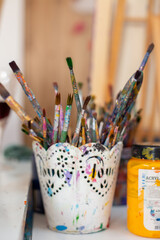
3 92
83 122
44 112
69 99
150 48
69 62
25 131
55 85
24 126
14 66
29 125
58 99
86 102
36 119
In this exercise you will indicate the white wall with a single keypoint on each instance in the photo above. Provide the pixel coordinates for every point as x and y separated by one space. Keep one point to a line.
12 48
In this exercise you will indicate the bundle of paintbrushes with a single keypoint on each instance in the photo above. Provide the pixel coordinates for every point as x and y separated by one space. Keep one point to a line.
110 130
114 121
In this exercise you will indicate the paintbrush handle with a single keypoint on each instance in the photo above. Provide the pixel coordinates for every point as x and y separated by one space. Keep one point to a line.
56 123
83 136
75 139
144 61
17 108
61 118
75 91
29 93
66 123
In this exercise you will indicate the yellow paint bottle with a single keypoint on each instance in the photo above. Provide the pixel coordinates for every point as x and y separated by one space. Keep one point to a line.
143 190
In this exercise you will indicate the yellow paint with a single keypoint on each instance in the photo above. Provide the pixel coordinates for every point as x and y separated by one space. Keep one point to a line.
147 152
91 176
157 183
135 202
85 213
106 203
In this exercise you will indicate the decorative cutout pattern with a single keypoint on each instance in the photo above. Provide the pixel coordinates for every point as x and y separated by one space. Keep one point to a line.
83 177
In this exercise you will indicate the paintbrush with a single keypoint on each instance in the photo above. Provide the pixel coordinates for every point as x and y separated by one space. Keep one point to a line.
80 139
97 132
26 88
78 126
29 93
115 136
110 137
83 131
74 85
67 118
144 61
38 139
124 100
93 122
80 86
132 99
55 85
88 137
36 134
94 171
44 130
17 107
100 128
56 117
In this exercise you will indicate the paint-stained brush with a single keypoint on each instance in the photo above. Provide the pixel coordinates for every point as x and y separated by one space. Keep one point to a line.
55 86
125 99
80 86
26 88
83 131
144 61
38 139
44 130
17 107
74 84
78 126
66 118
56 117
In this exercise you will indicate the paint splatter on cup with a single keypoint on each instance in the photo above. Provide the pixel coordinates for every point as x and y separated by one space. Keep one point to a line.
77 185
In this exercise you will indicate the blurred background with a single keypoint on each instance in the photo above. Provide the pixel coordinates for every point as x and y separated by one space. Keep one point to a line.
106 40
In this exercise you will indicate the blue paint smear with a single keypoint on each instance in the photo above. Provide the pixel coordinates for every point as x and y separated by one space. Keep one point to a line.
81 228
77 206
50 191
61 227
58 144
68 176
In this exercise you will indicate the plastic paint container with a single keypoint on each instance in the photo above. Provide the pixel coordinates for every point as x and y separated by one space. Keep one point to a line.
143 190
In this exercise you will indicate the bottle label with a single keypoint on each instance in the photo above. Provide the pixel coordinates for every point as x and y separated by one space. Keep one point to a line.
149 189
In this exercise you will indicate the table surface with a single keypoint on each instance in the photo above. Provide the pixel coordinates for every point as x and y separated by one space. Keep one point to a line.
117 230
15 178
